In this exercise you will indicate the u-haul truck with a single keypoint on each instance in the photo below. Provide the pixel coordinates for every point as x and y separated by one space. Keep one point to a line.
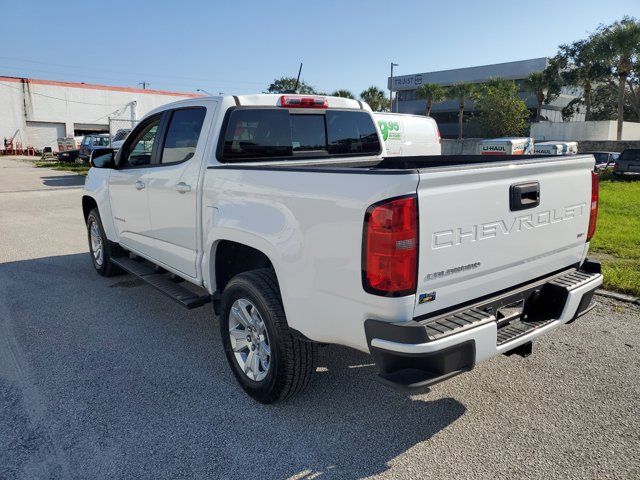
556 148
507 146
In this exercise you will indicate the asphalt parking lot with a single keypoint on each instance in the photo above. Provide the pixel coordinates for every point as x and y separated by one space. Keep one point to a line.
106 378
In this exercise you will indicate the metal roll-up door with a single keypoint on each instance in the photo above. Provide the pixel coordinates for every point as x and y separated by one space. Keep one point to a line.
44 134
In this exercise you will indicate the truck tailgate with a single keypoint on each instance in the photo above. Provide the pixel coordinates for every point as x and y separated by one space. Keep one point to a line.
481 232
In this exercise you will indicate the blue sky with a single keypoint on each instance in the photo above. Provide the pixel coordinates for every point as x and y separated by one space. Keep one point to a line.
241 46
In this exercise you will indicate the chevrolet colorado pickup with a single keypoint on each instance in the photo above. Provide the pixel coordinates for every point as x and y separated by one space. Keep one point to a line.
282 212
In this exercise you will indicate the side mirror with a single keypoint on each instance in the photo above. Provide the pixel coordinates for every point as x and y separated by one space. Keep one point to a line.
103 158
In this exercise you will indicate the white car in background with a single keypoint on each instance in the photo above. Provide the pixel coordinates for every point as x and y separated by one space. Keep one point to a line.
407 135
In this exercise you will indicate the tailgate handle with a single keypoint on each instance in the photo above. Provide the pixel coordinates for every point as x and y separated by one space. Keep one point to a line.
524 195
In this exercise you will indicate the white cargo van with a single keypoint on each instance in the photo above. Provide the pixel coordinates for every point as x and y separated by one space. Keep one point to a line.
556 148
408 135
507 146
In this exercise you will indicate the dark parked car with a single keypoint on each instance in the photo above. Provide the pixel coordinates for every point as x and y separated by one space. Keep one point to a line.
629 161
90 143
68 156
604 159
119 137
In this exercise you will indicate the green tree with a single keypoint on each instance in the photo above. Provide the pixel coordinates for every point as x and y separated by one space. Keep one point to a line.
344 94
376 99
284 84
500 112
634 93
537 84
581 65
620 44
460 91
604 103
431 93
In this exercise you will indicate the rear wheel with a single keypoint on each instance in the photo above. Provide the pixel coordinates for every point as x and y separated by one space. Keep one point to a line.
270 363
100 248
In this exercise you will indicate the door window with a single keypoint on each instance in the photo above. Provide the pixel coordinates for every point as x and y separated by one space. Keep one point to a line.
140 148
182 135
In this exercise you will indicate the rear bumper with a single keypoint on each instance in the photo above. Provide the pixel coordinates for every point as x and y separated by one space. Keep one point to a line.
416 354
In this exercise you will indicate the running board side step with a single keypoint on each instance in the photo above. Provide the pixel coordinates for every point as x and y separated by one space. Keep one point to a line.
162 282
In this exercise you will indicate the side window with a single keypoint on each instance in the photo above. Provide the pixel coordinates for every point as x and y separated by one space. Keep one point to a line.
182 135
138 152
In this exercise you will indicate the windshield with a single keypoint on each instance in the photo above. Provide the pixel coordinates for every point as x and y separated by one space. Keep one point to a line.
269 133
100 141
601 157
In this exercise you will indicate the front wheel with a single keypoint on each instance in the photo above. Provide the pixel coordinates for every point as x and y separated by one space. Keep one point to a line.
270 363
100 248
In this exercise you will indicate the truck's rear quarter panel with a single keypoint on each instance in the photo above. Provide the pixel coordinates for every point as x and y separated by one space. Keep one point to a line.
310 224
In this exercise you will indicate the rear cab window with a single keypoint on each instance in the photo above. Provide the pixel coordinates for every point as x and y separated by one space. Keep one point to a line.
258 134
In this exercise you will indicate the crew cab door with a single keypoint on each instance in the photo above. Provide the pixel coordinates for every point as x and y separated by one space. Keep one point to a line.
172 186
128 187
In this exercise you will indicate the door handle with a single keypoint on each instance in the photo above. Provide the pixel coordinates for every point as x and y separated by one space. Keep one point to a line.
182 187
524 195
139 185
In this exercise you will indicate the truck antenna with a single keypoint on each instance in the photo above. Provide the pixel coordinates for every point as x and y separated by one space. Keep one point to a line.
298 79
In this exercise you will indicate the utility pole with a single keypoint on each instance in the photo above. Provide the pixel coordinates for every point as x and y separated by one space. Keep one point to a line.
144 84
391 87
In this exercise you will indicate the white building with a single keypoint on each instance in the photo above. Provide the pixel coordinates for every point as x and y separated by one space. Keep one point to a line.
35 113
446 113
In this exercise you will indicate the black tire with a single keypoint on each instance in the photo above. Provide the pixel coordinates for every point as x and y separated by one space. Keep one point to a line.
292 361
105 268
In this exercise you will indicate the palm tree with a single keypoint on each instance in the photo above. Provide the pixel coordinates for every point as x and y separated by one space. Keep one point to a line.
460 91
344 94
499 83
432 93
538 84
581 65
621 41
376 99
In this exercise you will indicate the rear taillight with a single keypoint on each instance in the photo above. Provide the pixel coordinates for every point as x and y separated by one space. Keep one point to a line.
439 136
390 247
293 101
593 212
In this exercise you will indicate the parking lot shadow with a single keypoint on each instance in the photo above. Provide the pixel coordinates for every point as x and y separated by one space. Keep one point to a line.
63 181
121 382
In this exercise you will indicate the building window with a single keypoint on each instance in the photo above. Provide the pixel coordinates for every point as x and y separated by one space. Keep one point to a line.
407 95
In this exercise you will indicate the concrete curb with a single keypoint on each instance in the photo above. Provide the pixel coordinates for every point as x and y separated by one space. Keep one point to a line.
618 296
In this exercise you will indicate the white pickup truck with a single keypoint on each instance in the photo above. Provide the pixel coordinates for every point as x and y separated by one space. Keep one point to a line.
282 212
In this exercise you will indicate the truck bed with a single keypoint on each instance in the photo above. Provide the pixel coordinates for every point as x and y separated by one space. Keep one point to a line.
399 165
